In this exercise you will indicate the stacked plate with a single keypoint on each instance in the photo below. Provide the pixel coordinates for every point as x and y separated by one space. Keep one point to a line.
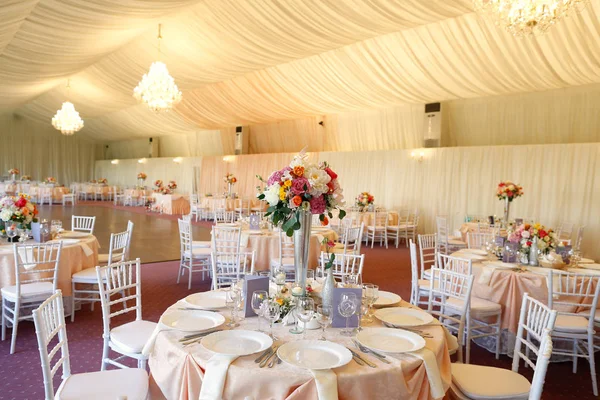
590 266
213 300
314 354
403 317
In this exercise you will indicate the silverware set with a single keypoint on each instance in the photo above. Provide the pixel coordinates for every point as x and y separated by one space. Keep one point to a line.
196 337
419 332
366 350
360 360
268 358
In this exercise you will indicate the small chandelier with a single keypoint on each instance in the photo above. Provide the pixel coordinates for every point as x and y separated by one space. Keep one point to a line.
527 17
67 119
157 89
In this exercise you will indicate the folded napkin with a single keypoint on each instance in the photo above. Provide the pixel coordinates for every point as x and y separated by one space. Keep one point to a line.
433 372
486 274
289 319
326 381
215 375
149 346
244 240
86 249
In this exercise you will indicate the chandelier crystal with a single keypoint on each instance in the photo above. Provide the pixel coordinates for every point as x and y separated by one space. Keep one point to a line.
157 89
527 17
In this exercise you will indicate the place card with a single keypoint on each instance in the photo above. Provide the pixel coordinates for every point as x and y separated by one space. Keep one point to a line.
251 285
254 222
518 221
499 241
338 320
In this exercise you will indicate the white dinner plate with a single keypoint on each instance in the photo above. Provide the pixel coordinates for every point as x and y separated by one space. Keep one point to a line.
253 232
479 252
192 321
390 340
314 354
211 300
590 266
387 299
236 342
584 271
73 234
402 316
66 242
470 256
500 264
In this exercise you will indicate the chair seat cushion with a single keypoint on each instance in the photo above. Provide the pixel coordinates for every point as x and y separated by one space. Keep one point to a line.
201 244
486 383
456 242
103 258
571 323
29 291
129 383
87 275
201 251
478 306
132 336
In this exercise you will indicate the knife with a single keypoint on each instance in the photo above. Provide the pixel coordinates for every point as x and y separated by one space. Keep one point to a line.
367 350
266 360
355 354
264 354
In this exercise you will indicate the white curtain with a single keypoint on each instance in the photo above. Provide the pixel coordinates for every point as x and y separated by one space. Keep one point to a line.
41 151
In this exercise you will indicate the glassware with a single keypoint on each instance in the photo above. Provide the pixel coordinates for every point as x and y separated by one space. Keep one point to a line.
347 308
271 312
371 295
11 230
305 312
324 318
258 298
310 277
55 225
232 301
362 309
351 280
574 258
279 278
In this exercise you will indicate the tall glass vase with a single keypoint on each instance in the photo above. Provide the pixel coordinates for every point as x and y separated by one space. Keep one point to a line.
301 246
506 211
229 188
327 290
14 177
533 253
140 182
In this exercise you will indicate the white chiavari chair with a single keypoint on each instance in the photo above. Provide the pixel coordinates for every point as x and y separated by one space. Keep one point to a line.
68 198
49 320
98 193
350 240
476 240
36 272
118 196
445 243
243 209
118 251
564 232
194 206
344 264
285 259
377 228
575 297
478 382
419 287
226 239
427 253
83 224
128 339
193 259
456 264
46 196
399 231
228 267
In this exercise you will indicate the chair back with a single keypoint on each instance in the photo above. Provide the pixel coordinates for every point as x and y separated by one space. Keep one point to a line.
286 246
534 320
455 264
120 287
541 366
185 237
130 226
36 263
427 246
49 320
226 239
228 267
564 231
118 247
441 223
344 264
478 240
352 239
83 224
380 219
193 199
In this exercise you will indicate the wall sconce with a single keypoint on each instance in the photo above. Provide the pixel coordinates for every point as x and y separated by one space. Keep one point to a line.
142 161
114 162
418 156
178 160
228 158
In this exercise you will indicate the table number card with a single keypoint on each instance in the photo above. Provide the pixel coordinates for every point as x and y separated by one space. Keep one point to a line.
514 257
518 221
254 222
338 320
251 285
499 241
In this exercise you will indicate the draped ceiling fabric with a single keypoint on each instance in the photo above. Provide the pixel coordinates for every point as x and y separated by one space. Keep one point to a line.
250 62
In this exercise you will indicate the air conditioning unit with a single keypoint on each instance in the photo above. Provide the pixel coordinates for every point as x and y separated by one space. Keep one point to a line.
153 148
241 139
432 129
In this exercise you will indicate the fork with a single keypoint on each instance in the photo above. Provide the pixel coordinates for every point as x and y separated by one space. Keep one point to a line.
364 349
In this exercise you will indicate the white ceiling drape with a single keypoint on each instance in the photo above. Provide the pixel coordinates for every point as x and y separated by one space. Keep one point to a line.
242 62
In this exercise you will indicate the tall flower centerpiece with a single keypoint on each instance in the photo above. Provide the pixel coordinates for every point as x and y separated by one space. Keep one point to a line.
364 200
507 192
294 194
158 184
141 177
230 180
102 181
18 210
13 172
25 178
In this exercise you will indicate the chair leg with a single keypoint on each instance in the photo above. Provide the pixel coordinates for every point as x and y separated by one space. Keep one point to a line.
104 355
3 319
190 276
15 327
574 356
72 302
179 273
468 344
498 337
592 364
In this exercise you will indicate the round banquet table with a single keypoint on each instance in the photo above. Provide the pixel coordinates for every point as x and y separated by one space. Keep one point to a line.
56 191
137 193
265 244
367 217
473 227
178 371
212 203
73 258
172 203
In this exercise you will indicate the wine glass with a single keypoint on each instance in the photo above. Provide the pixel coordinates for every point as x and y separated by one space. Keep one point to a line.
362 309
11 231
258 297
56 225
271 312
305 312
371 295
351 280
310 277
232 301
324 318
347 308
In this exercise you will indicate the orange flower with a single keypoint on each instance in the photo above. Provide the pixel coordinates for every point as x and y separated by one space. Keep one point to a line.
234 180
298 170
297 201
25 211
325 221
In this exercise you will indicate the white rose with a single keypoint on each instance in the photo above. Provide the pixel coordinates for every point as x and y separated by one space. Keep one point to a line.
318 180
5 215
297 162
272 194
525 234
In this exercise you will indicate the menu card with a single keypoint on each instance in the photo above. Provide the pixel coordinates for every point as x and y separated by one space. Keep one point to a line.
251 285
254 222
338 320
499 241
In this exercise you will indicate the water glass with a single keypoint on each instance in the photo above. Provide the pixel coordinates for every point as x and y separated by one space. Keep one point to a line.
271 312
55 225
310 277
362 309
258 298
371 295
324 318
351 280
305 311
232 301
347 308
11 230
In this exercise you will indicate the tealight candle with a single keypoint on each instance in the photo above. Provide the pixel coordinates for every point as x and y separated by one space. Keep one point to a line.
280 278
297 291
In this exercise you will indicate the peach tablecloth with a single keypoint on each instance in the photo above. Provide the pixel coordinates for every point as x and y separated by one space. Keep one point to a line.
172 203
473 227
179 371
57 192
15 187
72 259
367 217
230 204
137 193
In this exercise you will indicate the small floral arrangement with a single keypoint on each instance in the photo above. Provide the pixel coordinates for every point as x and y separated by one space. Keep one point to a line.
26 177
285 306
18 209
365 199
301 186
103 181
14 171
329 244
158 183
508 190
93 181
230 178
50 179
142 176
172 185
524 234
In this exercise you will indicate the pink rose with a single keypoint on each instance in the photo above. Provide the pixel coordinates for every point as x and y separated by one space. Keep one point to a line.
21 202
317 205
300 186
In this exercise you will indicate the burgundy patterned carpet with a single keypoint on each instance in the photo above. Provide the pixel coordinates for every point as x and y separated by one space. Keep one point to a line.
21 376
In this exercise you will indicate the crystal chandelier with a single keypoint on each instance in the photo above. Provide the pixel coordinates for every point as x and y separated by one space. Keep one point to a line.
157 89
67 119
527 17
